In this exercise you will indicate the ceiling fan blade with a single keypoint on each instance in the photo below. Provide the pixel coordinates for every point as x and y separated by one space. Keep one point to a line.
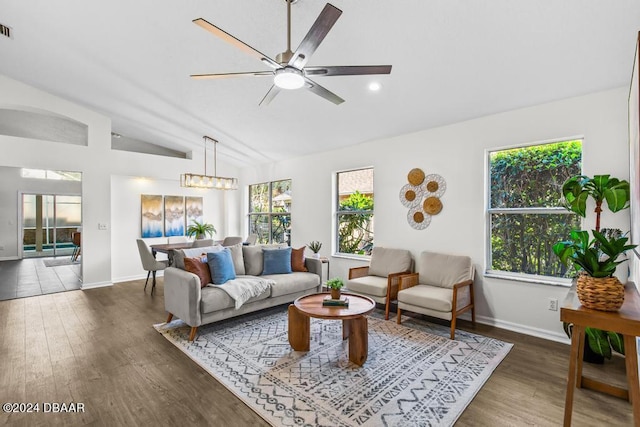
321 91
228 75
347 70
270 95
203 23
316 34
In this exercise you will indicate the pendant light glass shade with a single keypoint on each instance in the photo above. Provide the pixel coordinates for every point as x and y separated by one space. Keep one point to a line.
193 180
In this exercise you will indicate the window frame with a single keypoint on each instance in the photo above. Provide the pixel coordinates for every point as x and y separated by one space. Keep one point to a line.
270 214
519 276
336 216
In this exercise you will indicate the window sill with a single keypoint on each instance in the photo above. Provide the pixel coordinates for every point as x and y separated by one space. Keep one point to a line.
539 280
363 258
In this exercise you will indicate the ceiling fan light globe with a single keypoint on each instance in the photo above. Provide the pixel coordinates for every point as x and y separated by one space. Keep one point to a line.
288 78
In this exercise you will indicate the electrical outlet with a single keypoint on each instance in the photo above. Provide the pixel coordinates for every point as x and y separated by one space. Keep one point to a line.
552 304
1 248
102 226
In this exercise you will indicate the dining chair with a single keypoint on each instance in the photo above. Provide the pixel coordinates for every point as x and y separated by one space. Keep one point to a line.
177 239
77 245
201 243
230 241
149 263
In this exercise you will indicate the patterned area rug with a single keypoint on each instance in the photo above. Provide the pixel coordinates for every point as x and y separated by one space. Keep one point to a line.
414 375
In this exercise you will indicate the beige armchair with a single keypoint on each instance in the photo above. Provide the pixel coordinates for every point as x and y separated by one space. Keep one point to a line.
442 288
379 281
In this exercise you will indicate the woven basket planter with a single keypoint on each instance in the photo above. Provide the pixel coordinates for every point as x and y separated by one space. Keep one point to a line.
604 294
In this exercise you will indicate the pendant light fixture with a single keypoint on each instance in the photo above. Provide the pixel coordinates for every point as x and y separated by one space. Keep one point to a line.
193 180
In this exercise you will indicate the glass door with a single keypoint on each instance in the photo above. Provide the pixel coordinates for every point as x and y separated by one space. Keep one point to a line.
48 224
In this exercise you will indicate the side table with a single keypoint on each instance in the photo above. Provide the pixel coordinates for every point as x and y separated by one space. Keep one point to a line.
626 321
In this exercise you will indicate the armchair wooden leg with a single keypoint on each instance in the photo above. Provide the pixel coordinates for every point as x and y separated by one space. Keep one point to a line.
192 334
170 317
398 320
453 327
386 310
473 315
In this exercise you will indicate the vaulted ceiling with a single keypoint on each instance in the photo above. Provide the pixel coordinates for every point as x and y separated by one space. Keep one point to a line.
452 60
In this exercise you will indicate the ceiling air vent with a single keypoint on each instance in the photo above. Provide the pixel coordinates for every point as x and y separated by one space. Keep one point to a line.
5 31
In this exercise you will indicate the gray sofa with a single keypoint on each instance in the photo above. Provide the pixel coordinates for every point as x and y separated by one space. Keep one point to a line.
186 299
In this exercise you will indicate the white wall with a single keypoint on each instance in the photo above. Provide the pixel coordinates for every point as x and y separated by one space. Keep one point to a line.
457 152
125 218
102 249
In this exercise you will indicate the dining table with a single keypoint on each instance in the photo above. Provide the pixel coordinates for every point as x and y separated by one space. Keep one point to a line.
168 248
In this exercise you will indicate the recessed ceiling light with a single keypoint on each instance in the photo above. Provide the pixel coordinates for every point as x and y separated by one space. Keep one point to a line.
374 86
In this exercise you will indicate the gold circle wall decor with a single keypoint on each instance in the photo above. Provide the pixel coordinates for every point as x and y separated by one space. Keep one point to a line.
432 205
415 176
422 196
411 195
417 218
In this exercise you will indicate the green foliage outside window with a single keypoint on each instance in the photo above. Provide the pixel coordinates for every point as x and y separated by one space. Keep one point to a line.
269 211
529 178
355 228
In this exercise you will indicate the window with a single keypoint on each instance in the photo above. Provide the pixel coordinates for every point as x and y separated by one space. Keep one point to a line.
49 174
270 211
354 215
525 218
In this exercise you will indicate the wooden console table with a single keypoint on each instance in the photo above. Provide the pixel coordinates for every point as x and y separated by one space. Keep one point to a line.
627 322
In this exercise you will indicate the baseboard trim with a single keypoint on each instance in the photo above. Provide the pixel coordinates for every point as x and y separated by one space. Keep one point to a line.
135 277
9 258
94 285
523 329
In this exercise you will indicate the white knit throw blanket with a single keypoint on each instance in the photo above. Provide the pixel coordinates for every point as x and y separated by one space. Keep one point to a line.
244 287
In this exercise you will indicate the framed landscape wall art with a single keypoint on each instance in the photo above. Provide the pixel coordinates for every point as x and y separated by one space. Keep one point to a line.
174 216
193 209
634 160
151 214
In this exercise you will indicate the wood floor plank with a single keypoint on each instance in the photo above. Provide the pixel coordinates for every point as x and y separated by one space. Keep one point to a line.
98 347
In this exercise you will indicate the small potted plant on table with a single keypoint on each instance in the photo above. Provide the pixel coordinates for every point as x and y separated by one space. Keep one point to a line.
315 248
335 285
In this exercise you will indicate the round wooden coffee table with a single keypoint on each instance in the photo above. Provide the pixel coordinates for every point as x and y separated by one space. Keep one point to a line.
354 322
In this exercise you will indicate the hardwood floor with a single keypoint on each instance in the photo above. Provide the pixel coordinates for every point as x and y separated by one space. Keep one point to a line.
98 347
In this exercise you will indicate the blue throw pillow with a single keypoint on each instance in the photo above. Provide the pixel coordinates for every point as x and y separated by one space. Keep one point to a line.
277 261
221 266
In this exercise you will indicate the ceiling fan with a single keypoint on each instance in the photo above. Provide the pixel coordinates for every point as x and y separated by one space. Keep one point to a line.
289 70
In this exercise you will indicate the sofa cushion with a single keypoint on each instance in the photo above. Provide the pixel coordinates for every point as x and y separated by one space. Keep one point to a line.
253 261
432 297
200 268
297 259
276 261
221 266
385 261
291 283
180 254
444 270
369 285
238 259
213 299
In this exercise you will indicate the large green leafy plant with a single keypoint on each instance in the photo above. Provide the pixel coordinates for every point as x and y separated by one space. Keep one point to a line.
597 257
